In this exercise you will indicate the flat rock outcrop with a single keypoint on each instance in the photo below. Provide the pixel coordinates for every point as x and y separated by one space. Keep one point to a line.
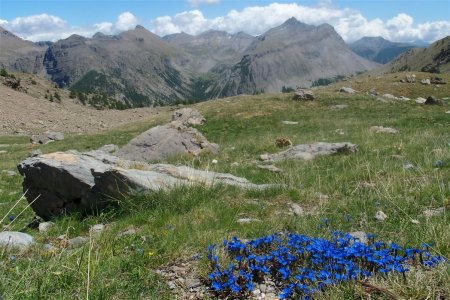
310 151
167 140
69 181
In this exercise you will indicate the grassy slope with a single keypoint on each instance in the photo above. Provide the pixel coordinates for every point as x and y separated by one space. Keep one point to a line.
183 222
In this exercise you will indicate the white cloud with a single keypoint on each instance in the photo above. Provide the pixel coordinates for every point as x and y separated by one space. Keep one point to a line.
46 27
196 3
255 20
126 21
349 23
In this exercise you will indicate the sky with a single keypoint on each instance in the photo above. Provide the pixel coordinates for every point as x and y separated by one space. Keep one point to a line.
396 20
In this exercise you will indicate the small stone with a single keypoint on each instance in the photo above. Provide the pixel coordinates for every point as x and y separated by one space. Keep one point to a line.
215 161
97 229
421 100
447 112
3 151
263 288
45 226
296 209
361 236
235 164
264 156
110 148
171 285
381 129
373 92
408 166
433 101
415 222
340 131
270 168
322 196
35 153
434 212
10 173
15 239
303 94
193 283
49 247
289 123
389 96
380 216
426 81
130 231
271 296
188 117
247 220
347 90
339 106
77 242
256 292
403 98
61 237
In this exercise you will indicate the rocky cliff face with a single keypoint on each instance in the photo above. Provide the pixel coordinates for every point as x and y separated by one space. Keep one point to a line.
293 54
20 55
212 48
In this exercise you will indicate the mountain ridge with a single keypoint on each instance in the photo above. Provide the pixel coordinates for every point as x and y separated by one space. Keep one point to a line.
140 68
380 50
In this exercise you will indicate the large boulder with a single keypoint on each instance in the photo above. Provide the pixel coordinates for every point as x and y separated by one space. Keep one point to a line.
188 116
69 181
310 151
61 182
167 140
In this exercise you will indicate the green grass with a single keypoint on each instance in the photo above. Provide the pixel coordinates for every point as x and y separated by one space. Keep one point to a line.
177 224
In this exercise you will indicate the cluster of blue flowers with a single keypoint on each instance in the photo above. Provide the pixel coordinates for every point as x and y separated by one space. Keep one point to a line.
300 265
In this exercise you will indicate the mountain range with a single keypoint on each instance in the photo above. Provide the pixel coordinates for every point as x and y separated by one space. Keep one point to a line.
139 68
380 50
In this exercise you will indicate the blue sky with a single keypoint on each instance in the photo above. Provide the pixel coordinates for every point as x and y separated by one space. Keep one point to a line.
399 20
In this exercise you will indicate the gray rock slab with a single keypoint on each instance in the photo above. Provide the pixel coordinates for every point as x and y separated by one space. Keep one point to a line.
167 140
310 151
69 181
60 182
47 137
14 239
